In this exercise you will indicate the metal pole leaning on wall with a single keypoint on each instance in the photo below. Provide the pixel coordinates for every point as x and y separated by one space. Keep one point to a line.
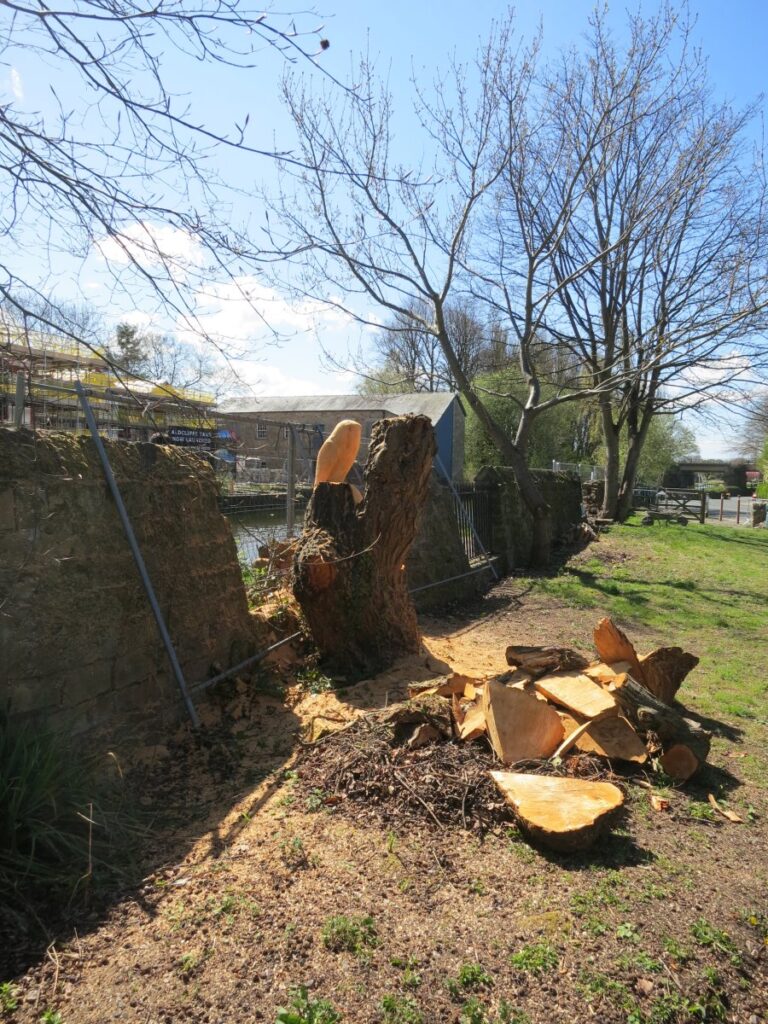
476 535
137 555
290 491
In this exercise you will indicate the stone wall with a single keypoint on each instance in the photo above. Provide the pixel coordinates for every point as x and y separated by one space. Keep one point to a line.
438 554
512 523
78 640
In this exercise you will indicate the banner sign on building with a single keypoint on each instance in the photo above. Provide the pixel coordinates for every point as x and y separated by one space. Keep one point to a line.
191 437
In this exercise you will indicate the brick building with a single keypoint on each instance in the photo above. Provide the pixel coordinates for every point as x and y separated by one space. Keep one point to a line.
258 423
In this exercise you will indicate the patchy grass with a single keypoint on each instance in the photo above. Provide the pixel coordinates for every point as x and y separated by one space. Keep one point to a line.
349 934
705 586
535 959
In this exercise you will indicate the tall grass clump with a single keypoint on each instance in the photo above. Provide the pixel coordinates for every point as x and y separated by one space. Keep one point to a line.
63 829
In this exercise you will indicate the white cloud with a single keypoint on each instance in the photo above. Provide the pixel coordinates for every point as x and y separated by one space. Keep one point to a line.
151 246
724 379
245 309
265 378
17 87
138 318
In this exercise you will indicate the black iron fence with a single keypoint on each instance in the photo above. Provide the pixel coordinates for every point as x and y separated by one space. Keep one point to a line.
474 514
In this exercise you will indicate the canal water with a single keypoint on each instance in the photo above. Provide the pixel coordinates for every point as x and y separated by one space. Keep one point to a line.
251 530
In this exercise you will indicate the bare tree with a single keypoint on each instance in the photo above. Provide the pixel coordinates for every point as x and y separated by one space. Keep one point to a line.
373 231
670 312
482 217
411 359
751 442
165 360
122 164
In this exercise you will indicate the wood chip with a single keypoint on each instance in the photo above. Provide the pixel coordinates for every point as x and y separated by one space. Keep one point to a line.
726 813
473 724
658 803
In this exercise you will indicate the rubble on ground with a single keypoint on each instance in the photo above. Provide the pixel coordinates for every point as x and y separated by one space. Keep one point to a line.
567 732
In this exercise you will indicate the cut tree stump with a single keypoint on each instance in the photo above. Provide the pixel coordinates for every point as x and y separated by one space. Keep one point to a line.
348 571
560 814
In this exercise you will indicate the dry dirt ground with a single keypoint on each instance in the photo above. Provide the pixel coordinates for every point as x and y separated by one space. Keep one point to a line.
664 922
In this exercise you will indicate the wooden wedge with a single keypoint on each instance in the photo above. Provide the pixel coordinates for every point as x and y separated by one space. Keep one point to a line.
664 670
613 645
338 453
578 693
520 727
613 737
604 674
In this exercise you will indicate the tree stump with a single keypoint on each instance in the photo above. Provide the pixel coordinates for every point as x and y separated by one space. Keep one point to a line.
348 567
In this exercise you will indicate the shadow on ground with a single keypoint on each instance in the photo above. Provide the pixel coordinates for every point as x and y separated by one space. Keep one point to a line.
197 791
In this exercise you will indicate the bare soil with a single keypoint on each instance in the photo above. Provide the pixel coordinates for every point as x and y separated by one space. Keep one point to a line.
665 921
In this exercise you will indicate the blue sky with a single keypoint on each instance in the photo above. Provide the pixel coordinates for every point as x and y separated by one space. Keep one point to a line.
404 37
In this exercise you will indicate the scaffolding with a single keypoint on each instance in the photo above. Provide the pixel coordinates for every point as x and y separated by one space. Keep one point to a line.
123 406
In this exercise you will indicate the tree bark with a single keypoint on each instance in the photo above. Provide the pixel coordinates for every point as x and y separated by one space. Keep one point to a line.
649 714
611 436
349 573
637 435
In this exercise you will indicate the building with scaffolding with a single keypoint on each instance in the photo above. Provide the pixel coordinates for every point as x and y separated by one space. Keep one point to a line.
37 377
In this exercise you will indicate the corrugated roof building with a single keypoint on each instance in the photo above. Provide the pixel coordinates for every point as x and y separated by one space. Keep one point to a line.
257 421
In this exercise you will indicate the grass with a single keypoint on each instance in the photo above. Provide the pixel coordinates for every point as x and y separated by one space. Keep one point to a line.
470 978
700 584
304 1010
617 935
400 1010
8 998
62 829
350 935
536 958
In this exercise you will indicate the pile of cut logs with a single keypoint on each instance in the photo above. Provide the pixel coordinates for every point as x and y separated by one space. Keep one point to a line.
555 701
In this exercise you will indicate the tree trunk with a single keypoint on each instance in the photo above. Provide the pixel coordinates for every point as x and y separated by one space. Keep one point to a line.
511 454
637 438
611 436
349 573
